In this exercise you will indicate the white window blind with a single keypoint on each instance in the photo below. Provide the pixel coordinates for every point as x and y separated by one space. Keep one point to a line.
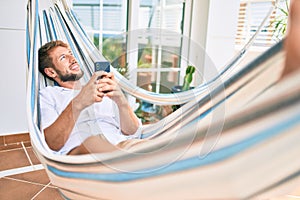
251 15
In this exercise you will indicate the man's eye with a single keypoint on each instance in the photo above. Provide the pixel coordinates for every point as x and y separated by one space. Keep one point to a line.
62 57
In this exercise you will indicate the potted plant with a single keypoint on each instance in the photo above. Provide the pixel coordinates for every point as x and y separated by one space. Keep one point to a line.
188 78
280 22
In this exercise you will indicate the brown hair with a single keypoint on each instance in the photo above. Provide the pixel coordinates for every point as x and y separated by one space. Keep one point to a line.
45 60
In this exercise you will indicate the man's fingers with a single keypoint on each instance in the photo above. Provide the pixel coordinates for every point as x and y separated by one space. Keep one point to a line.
98 75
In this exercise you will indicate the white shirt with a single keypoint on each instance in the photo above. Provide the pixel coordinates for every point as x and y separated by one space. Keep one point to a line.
99 118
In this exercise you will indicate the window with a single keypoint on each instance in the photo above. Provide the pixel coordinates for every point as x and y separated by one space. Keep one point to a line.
157 65
129 35
252 14
158 61
101 18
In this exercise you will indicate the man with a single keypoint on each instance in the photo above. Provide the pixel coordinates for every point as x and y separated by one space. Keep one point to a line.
80 119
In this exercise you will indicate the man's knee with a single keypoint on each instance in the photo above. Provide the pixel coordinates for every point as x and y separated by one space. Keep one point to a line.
93 144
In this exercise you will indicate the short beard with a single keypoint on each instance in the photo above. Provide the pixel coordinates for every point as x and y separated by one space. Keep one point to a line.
69 77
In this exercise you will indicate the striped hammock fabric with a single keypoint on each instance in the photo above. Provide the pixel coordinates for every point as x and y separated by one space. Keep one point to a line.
235 138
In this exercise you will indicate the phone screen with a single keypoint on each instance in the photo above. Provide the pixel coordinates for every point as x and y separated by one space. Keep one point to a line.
102 66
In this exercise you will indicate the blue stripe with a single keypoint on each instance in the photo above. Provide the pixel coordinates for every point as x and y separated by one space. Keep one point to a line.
28 42
33 60
190 163
46 25
55 37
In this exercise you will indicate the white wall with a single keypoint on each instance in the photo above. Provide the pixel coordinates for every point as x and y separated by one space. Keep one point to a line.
13 67
220 44
213 28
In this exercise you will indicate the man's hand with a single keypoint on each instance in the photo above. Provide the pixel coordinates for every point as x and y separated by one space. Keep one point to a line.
110 88
90 93
128 120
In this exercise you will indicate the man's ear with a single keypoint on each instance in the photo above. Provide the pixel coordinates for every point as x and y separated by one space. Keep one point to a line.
50 72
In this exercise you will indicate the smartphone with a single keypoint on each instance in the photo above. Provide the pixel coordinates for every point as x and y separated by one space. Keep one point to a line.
102 66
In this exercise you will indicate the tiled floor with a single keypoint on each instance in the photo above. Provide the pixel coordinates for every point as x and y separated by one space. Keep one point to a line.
22 176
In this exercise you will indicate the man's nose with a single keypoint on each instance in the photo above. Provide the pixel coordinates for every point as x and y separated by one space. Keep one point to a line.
72 59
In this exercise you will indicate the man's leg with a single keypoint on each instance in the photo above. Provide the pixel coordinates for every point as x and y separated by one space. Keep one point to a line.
98 144
94 144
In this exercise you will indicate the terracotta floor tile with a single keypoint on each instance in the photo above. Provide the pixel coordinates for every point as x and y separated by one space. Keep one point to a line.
15 138
27 144
13 159
38 176
32 156
31 185
10 147
17 190
1 140
49 194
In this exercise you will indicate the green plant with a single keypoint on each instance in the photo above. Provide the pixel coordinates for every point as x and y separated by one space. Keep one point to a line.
188 77
123 70
280 22
112 48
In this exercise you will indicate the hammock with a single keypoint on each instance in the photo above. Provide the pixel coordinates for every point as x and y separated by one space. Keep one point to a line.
198 152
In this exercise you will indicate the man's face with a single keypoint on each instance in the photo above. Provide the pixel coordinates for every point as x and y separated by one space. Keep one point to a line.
65 64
